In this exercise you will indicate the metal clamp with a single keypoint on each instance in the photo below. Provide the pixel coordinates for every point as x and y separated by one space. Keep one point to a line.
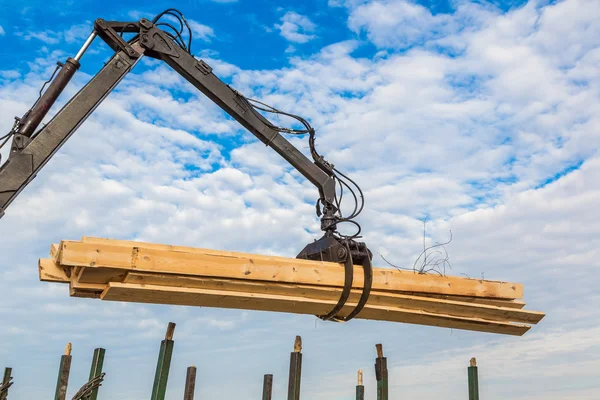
348 252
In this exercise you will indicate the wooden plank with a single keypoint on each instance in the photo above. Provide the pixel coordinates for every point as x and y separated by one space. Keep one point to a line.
212 263
111 276
104 275
54 250
49 271
89 287
516 303
130 243
86 290
95 275
86 294
265 302
377 298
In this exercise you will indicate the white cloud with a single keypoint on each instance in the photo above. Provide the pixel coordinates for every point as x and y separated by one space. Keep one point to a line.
399 23
201 31
296 28
78 32
71 35
49 37
1 31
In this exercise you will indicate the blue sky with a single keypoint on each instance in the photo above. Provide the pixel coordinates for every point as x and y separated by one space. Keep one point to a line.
482 116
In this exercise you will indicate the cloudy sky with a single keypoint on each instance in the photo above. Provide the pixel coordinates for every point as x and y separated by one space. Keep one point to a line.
482 117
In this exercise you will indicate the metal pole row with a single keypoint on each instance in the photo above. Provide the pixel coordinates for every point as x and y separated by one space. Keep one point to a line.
90 389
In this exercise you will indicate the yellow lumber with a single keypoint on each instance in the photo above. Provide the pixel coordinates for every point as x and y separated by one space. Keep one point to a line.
377 298
516 303
221 299
54 252
221 264
84 294
49 271
100 276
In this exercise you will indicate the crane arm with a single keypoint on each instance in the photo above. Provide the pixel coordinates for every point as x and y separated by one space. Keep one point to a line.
31 149
29 154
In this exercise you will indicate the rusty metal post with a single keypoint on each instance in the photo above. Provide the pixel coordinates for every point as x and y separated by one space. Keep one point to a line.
267 387
163 365
190 383
381 374
360 389
63 374
473 380
295 370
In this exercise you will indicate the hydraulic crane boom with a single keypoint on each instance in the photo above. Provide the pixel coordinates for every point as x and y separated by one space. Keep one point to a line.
31 150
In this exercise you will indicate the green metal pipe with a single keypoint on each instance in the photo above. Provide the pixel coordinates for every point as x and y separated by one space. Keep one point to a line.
63 375
96 370
381 374
6 382
159 389
360 389
473 380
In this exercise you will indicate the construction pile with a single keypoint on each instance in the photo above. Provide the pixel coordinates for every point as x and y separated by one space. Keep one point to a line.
117 270
89 391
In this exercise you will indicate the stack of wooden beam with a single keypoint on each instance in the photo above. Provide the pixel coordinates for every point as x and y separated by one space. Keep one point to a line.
161 274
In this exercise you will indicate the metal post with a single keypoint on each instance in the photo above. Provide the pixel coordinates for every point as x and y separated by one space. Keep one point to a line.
96 369
163 365
360 389
267 387
295 370
190 383
63 374
6 383
381 373
473 380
